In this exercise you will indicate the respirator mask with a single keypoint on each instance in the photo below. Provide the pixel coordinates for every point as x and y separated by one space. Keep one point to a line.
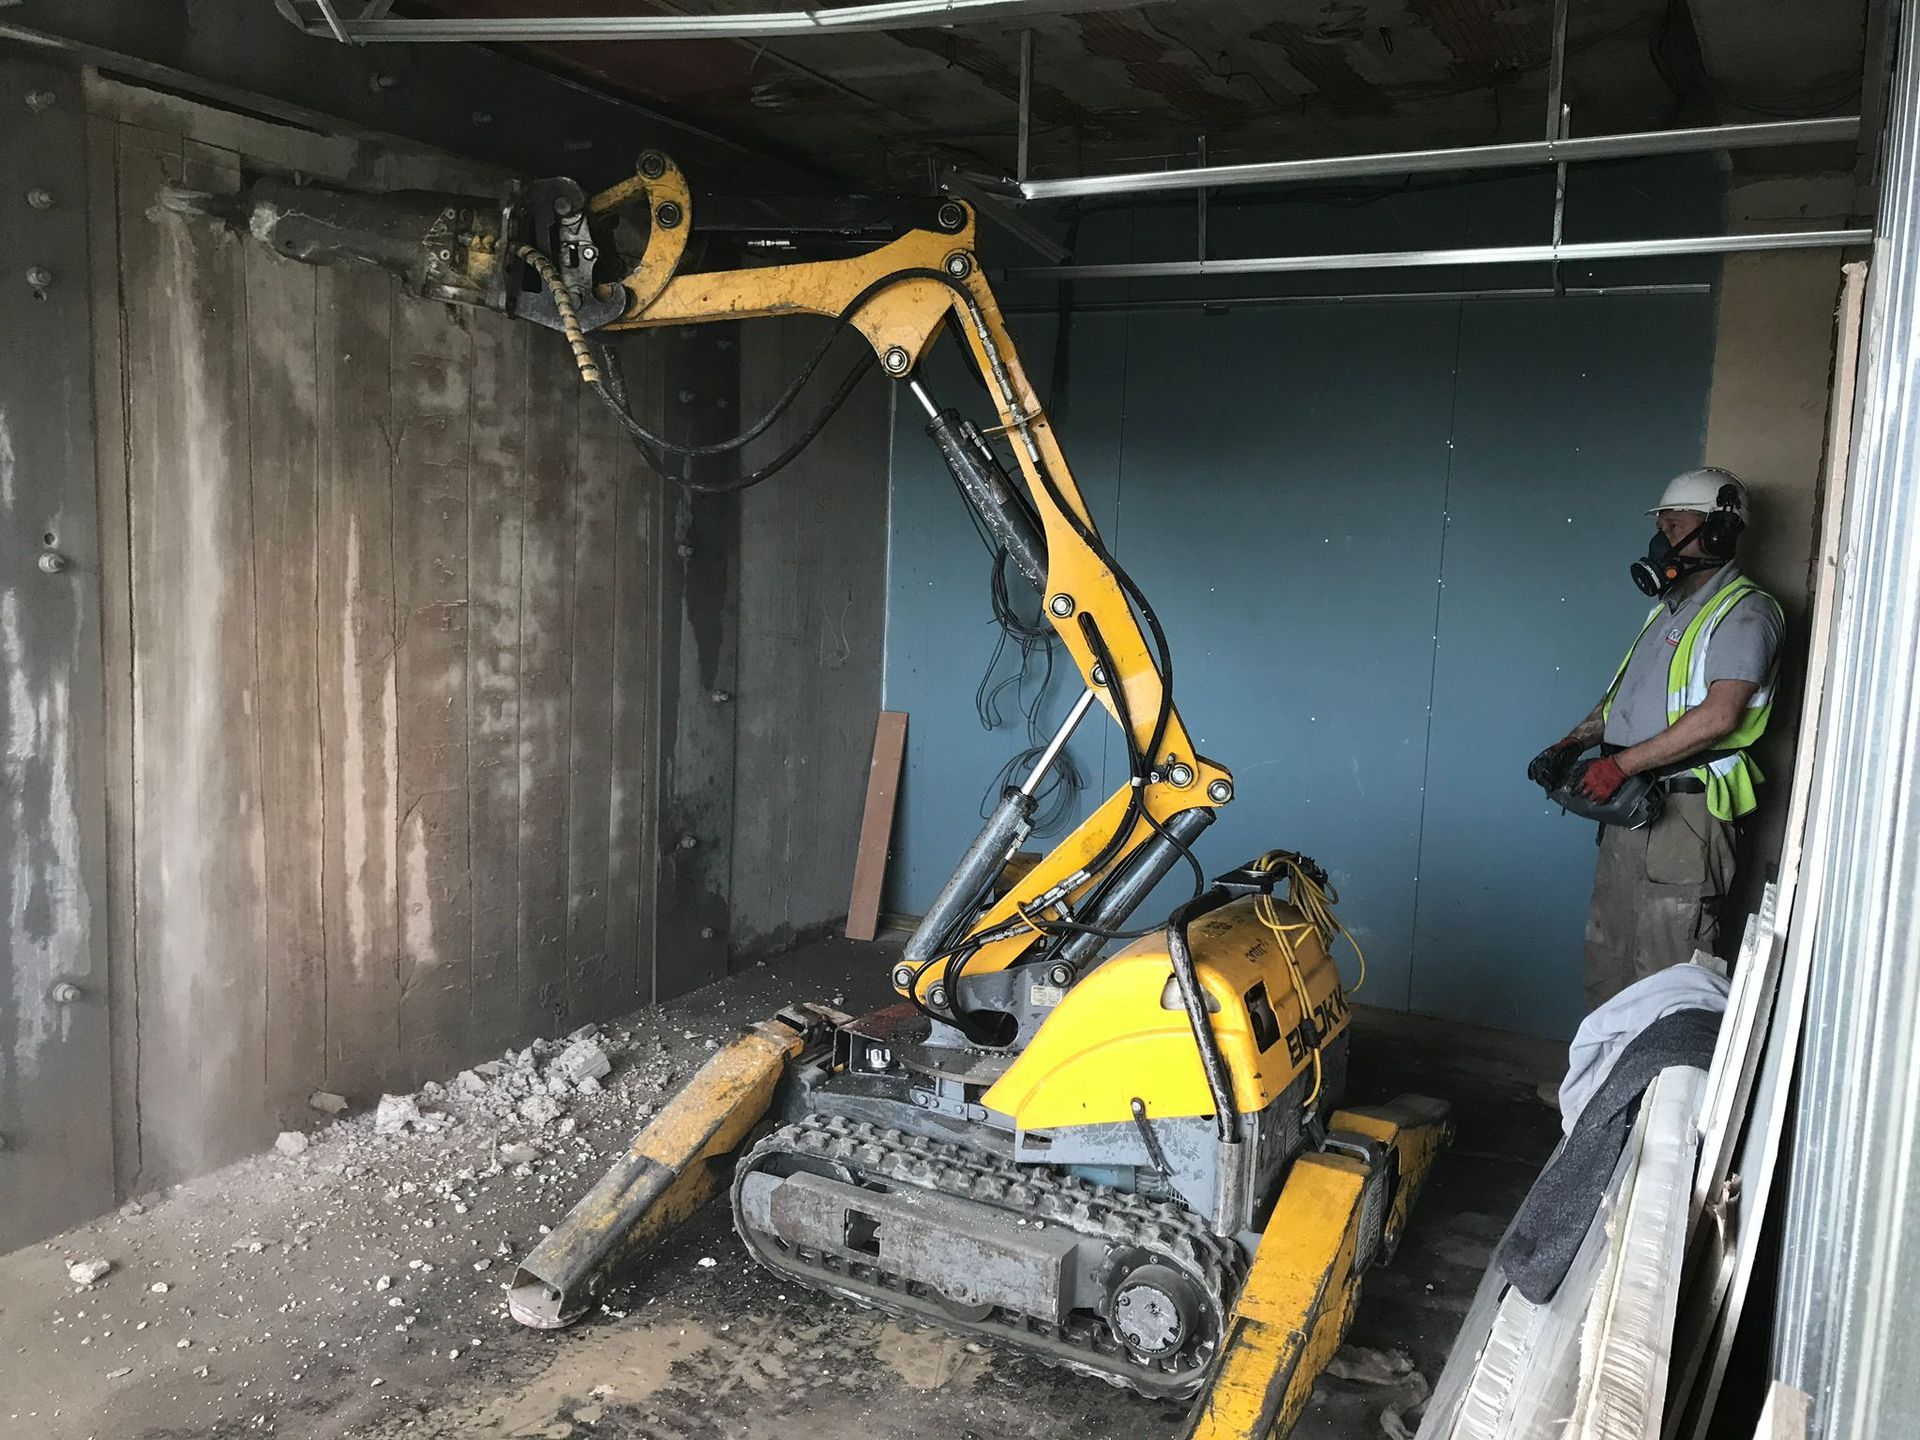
1663 567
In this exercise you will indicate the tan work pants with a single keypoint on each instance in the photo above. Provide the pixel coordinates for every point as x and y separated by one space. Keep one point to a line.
1656 895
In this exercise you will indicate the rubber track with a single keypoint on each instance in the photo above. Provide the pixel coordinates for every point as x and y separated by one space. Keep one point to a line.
1168 1231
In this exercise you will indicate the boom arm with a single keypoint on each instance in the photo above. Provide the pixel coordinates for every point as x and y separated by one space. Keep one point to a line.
935 274
898 296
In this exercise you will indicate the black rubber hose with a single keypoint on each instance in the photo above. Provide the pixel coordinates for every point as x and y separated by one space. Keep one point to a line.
1219 1082
644 441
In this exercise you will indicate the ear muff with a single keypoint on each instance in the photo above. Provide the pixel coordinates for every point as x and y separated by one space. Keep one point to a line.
1720 535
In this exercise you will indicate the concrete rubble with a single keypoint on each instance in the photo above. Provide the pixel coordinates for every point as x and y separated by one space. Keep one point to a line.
292 1288
86 1272
291 1143
381 1255
581 1061
396 1114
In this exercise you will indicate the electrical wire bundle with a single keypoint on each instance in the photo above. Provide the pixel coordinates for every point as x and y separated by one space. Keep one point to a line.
1314 901
1035 643
957 952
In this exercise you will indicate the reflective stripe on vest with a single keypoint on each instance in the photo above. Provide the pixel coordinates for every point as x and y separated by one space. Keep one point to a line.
1731 780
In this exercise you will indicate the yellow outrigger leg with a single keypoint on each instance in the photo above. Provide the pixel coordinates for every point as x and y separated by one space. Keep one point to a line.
677 1162
1341 1209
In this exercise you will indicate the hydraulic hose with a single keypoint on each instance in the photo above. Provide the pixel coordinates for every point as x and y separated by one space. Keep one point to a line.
1219 1082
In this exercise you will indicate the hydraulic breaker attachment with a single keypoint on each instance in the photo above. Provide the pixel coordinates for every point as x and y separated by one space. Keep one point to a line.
677 1162
1341 1209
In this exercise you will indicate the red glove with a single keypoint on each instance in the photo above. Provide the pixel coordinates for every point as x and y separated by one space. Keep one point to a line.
1601 779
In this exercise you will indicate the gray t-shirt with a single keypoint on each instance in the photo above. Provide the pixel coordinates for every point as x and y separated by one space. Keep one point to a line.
1742 648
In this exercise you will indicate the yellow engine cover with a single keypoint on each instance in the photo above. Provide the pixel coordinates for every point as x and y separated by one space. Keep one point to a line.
1122 1031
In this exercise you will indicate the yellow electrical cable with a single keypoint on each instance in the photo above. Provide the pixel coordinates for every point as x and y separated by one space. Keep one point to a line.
569 318
1315 904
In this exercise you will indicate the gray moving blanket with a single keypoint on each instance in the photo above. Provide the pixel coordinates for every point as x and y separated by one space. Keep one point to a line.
1558 1210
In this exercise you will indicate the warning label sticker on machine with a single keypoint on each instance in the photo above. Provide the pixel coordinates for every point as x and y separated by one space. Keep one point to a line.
1040 995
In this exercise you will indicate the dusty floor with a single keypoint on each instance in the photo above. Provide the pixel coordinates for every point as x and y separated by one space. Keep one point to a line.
354 1290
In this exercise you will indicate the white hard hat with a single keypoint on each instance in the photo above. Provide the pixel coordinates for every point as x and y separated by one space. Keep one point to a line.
1701 490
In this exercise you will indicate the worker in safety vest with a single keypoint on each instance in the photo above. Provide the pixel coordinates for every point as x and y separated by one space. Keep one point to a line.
1697 687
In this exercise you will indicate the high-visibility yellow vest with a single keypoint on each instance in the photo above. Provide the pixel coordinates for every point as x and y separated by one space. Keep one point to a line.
1732 779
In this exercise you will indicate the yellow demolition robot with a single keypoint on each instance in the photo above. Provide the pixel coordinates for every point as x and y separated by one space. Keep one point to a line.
1130 1165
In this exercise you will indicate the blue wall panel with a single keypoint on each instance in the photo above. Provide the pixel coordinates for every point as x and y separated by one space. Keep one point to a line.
1570 418
1388 542
1280 502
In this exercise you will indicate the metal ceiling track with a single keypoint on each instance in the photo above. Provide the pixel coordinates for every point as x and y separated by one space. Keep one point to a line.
1639 145
1480 255
373 25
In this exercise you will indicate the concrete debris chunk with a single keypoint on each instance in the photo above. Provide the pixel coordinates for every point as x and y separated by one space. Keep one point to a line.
489 1069
117 1374
327 1102
85 1272
589 1086
518 1154
1369 1367
159 1287
567 1126
396 1115
1400 1419
291 1143
468 1082
539 1109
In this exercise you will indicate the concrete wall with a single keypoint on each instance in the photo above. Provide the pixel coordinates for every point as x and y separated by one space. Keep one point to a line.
813 545
381 656
1389 540
438 720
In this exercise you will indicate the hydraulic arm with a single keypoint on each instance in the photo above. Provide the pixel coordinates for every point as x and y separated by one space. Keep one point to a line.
591 266
1132 1165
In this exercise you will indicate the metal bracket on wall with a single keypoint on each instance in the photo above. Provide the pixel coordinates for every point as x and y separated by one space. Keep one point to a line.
1557 116
1023 147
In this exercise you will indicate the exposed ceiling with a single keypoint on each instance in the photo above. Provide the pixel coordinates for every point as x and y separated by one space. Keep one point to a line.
1258 79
